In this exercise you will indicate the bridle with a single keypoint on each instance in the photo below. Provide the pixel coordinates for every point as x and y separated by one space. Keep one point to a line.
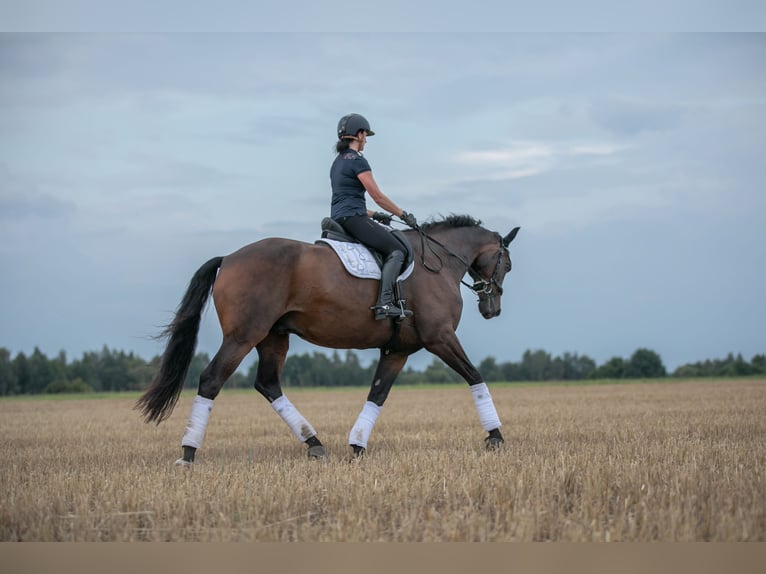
480 286
487 287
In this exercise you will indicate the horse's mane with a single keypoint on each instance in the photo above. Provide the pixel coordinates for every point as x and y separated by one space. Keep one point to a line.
451 220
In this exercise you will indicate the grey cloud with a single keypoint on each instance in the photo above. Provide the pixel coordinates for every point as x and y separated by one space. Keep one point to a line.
179 174
21 198
24 55
15 206
267 130
628 118
101 66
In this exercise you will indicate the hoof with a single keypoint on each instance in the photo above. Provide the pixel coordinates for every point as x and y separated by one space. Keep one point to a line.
185 464
493 443
358 450
317 451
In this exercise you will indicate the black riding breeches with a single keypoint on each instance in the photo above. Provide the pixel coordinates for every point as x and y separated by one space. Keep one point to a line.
371 234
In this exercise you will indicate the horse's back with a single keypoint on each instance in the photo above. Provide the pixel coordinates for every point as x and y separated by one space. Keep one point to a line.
264 251
276 263
278 256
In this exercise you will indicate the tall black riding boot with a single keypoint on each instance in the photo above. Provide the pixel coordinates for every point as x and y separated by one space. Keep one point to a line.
386 308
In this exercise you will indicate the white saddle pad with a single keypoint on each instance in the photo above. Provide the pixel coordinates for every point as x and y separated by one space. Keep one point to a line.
358 260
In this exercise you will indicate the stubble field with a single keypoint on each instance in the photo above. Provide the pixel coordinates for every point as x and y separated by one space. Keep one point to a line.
681 461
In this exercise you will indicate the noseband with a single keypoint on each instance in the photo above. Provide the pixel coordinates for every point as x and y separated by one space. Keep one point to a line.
488 287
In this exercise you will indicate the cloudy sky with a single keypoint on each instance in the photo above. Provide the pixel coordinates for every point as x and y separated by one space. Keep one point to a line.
634 164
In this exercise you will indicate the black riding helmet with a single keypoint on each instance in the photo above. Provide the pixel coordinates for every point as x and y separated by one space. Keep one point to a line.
349 126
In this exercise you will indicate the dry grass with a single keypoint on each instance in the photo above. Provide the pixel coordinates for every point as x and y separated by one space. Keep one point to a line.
640 462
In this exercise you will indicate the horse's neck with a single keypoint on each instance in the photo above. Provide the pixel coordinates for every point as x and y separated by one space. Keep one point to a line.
467 242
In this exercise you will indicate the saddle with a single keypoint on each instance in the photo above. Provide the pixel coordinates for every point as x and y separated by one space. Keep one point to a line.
333 231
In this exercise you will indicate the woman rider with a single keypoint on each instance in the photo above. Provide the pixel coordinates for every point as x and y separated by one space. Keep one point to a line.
350 177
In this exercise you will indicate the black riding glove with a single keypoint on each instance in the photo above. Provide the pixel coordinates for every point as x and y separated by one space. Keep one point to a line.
384 218
409 219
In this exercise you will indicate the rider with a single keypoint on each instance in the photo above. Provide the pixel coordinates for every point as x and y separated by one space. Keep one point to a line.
350 177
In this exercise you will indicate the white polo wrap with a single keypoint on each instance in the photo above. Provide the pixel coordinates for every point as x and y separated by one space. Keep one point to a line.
198 419
299 425
485 407
362 428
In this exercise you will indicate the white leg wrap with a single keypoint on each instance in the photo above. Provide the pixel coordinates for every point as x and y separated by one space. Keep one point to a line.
300 426
485 407
362 428
195 428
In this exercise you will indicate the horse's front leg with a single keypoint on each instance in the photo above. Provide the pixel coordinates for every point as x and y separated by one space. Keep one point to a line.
271 359
449 350
388 368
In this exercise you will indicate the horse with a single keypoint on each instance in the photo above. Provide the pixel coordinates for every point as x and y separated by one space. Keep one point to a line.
276 287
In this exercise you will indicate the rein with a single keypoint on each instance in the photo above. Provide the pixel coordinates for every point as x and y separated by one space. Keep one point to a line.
478 287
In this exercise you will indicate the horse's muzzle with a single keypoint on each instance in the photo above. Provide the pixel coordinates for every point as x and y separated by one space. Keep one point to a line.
490 313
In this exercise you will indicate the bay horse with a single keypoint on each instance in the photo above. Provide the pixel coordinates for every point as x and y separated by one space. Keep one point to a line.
275 287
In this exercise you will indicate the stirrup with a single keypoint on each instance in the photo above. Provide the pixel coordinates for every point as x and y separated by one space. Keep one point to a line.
390 312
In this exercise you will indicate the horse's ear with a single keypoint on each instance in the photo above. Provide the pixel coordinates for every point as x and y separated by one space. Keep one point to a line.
508 238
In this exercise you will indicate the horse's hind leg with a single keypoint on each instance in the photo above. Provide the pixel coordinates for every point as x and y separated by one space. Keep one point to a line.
271 358
223 365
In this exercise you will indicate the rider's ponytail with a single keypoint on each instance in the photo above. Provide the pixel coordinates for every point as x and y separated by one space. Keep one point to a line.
342 145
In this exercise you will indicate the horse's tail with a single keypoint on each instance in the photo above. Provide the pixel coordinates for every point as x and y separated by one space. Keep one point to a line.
161 396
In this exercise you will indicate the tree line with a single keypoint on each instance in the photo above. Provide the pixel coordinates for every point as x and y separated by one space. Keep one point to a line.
113 370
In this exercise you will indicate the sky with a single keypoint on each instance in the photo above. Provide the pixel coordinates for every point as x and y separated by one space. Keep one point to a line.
633 162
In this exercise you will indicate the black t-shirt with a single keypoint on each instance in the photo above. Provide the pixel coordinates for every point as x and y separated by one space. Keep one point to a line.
347 191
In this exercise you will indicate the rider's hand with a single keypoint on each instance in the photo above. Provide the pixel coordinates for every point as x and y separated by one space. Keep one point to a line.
384 218
409 219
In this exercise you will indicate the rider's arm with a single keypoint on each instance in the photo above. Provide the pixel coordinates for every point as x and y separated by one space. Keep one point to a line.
369 183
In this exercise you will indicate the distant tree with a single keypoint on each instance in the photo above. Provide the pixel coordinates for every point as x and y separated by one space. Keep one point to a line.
23 374
644 364
239 381
409 376
577 367
112 370
85 369
41 372
555 370
738 367
490 370
511 371
350 371
141 372
308 371
689 371
8 382
438 372
614 368
535 365
58 371
731 366
62 386
197 365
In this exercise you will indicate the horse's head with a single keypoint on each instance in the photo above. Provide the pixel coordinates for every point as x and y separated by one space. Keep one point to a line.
488 271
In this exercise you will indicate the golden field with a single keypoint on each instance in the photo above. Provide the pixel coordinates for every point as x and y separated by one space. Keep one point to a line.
671 461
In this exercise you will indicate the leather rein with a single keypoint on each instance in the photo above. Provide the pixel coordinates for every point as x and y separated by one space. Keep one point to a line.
480 285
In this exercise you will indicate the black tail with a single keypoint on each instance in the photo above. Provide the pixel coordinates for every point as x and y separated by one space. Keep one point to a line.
161 396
